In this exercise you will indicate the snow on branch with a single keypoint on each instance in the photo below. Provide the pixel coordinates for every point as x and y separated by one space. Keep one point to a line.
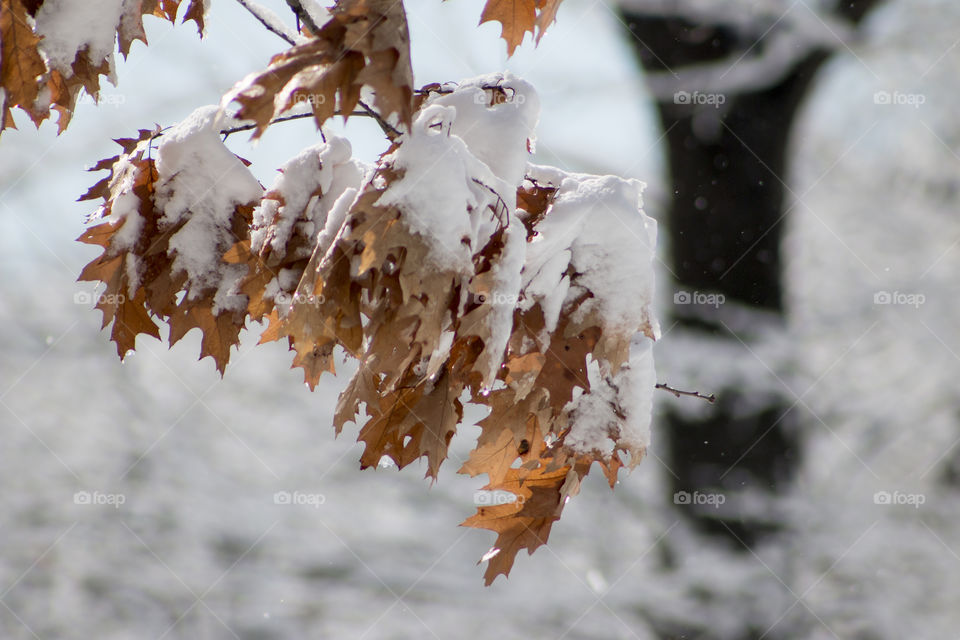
271 21
778 35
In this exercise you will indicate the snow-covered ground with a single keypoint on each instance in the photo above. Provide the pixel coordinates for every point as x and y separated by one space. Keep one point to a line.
199 548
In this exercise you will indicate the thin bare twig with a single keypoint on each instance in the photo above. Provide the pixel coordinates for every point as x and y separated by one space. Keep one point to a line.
693 394
248 127
297 116
388 129
303 16
257 12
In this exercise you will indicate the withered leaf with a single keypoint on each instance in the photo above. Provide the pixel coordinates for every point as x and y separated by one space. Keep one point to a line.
365 43
20 63
518 17
524 524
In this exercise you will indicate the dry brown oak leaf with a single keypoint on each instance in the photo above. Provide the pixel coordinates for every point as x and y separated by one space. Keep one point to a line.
365 43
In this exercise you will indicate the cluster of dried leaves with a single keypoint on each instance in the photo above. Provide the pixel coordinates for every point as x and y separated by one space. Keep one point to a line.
31 84
422 335
143 281
371 293
365 43
353 48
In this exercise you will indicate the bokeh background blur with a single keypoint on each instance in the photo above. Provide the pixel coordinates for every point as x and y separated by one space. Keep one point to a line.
802 160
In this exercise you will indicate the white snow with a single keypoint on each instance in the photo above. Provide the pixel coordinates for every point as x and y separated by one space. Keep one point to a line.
67 26
504 295
325 167
789 31
439 192
200 185
597 226
199 477
125 208
496 134
616 412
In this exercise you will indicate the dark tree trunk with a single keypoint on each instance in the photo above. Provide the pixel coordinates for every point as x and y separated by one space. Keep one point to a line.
724 225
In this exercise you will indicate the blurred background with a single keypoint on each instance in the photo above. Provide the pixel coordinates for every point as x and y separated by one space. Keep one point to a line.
802 160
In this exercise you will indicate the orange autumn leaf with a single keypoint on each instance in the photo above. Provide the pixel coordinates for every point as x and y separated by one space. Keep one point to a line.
519 17
36 86
20 63
466 289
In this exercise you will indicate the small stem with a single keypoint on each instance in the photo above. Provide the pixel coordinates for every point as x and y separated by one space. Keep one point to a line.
500 202
693 394
388 129
249 127
303 16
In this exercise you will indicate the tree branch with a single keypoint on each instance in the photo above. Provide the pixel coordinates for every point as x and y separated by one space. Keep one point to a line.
693 394
303 16
388 129
248 127
298 116
269 20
